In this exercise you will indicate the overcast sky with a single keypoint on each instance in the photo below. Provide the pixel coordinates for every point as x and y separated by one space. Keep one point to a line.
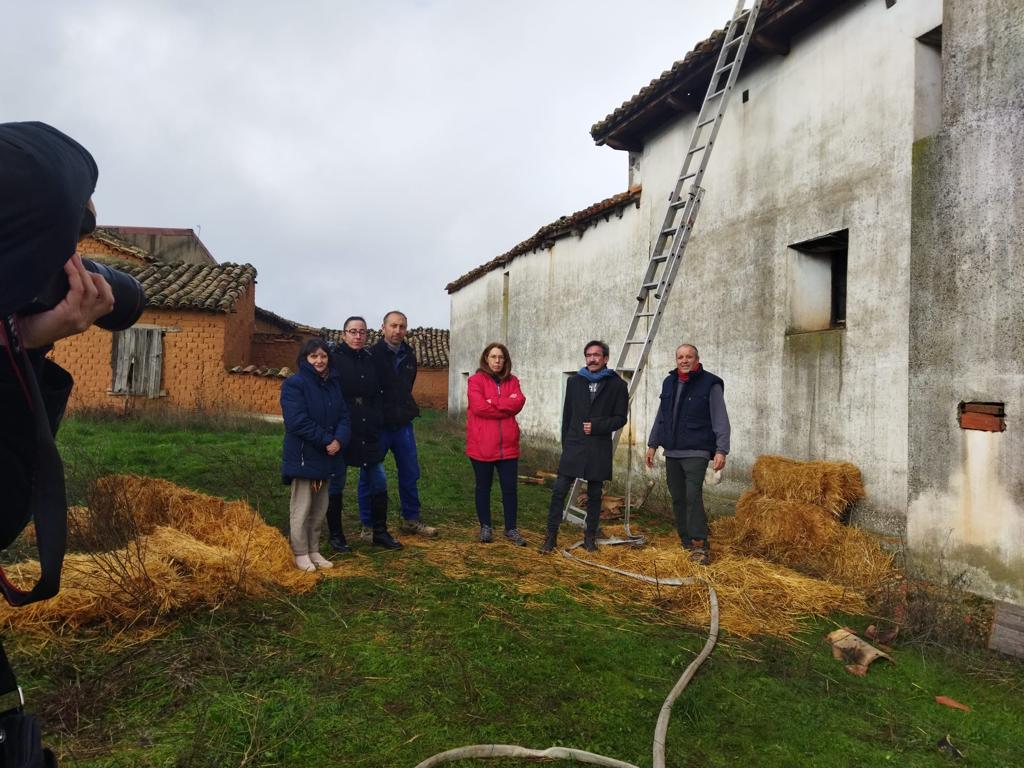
360 155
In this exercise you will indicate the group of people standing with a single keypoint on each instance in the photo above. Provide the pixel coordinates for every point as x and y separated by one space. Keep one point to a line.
350 405
691 425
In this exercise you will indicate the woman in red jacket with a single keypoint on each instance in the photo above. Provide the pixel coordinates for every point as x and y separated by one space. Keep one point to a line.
492 437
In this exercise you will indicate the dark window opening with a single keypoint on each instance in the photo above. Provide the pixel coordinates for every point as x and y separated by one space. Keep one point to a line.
838 314
817 280
746 95
932 38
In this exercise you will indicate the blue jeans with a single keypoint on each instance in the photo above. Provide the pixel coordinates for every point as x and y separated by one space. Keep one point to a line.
402 444
376 482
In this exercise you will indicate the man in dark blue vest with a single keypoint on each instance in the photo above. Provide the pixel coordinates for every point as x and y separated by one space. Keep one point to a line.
692 426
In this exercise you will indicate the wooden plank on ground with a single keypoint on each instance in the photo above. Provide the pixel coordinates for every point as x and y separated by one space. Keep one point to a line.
1008 630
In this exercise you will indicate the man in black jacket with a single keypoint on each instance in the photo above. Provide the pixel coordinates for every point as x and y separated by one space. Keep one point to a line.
596 405
399 363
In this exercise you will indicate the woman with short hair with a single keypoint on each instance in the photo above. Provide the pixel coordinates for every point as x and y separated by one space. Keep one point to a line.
317 429
492 438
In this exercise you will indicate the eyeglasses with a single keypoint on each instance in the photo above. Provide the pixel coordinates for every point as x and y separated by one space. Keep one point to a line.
356 331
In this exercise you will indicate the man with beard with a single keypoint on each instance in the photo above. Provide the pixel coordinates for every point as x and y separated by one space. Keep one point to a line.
596 405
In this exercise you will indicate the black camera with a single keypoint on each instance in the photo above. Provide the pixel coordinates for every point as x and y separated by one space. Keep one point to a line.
129 297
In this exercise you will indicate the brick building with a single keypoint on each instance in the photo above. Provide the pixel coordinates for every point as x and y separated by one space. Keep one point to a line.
202 344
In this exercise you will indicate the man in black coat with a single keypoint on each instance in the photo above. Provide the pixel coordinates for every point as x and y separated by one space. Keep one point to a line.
596 405
398 361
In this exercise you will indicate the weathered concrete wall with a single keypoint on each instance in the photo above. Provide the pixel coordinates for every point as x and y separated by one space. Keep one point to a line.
966 513
823 144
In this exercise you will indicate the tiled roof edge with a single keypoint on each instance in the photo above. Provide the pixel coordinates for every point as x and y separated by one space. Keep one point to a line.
576 222
793 14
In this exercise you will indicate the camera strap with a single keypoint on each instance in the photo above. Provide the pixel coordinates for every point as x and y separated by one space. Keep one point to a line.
48 504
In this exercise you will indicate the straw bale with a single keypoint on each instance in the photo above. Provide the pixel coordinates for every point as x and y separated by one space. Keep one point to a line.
184 550
783 530
831 485
800 536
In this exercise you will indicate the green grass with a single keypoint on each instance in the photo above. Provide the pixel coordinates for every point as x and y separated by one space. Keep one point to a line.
388 669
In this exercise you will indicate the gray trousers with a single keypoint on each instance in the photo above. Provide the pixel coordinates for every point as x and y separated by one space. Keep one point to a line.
685 479
306 514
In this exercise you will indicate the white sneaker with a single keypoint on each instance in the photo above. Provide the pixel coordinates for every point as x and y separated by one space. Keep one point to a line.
304 563
320 561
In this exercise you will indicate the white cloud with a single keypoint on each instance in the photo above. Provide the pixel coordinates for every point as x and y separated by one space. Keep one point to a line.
359 155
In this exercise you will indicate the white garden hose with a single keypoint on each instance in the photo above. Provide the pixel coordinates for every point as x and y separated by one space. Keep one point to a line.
484 751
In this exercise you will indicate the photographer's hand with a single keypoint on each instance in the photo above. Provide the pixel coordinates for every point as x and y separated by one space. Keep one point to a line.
89 298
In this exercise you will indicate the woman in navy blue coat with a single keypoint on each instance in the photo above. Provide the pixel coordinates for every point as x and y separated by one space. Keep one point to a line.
317 430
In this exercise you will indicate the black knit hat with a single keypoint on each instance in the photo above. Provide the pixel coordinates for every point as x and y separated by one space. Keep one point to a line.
46 179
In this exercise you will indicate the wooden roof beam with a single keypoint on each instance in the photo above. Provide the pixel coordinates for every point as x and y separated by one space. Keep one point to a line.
769 45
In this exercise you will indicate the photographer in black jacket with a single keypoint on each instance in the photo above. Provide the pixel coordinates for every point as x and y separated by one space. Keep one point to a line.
47 292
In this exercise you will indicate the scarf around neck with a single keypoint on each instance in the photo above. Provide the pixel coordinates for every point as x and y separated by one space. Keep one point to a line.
604 373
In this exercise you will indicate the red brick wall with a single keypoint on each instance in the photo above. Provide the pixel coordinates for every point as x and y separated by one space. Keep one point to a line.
275 350
239 328
91 248
431 389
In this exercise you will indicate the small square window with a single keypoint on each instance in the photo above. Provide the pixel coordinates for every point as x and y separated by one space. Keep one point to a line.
817 283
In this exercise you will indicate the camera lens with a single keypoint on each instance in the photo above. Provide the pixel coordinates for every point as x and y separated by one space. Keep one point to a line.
129 298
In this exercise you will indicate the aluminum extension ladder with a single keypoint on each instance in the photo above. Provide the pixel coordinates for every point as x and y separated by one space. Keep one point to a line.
667 251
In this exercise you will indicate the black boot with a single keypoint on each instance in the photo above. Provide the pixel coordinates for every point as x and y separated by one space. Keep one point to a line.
593 521
550 542
334 526
379 512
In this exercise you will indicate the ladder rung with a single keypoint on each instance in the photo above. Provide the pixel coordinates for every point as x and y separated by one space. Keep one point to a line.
659 258
734 40
679 203
716 94
669 232
689 175
645 314
695 150
701 124
636 341
726 68
648 286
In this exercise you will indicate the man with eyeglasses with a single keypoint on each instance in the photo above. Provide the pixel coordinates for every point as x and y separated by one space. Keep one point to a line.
398 361
362 384
596 405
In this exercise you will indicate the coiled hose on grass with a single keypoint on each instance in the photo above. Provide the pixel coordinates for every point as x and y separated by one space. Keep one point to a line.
484 751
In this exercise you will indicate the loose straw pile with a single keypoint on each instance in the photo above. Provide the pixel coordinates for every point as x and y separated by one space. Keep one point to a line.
177 549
